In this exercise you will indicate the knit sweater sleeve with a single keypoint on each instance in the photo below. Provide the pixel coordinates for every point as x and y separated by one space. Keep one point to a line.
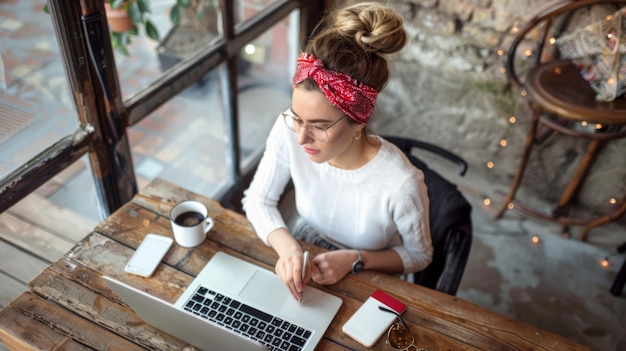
260 201
411 218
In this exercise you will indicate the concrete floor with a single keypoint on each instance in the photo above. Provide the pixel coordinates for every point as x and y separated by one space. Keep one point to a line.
557 284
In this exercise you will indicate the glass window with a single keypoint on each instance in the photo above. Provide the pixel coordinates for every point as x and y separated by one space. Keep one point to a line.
183 140
266 67
36 106
144 58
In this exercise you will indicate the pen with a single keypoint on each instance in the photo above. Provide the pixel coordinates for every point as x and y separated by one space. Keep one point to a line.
305 262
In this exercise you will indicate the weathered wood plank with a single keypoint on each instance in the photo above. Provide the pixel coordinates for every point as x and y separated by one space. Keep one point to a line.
55 328
62 222
24 235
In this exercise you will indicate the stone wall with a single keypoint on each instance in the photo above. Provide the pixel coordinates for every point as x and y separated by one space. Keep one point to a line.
449 88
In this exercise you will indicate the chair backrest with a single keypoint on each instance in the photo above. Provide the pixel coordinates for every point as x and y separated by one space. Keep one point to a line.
450 226
533 43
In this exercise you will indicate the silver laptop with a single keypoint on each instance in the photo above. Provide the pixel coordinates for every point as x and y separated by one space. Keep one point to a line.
235 305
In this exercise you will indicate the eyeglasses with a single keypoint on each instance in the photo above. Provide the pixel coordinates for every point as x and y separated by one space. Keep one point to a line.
314 130
399 336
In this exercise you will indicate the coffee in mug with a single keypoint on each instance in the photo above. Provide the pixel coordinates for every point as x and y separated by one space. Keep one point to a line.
190 223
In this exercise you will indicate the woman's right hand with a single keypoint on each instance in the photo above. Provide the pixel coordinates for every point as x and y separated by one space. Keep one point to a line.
289 264
289 270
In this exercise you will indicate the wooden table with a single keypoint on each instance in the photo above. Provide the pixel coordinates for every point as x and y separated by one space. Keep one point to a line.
69 306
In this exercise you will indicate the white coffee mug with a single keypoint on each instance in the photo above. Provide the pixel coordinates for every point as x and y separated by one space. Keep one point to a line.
190 223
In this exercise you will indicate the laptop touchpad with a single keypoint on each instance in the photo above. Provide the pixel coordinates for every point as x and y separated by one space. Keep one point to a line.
266 289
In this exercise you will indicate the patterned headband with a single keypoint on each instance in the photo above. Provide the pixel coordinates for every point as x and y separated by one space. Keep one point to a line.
355 99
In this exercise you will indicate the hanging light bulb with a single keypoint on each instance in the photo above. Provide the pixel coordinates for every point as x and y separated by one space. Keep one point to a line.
535 239
503 142
487 201
512 119
490 164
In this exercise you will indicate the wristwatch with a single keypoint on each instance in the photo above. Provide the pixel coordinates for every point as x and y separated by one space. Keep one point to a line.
357 266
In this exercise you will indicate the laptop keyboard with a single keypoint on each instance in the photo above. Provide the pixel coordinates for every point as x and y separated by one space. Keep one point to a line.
275 333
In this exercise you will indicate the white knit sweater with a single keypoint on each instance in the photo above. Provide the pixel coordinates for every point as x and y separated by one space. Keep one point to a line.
383 204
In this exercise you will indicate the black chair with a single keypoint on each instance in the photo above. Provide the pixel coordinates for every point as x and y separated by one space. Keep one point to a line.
450 220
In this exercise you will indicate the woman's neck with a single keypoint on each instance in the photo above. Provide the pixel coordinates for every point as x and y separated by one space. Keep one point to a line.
358 154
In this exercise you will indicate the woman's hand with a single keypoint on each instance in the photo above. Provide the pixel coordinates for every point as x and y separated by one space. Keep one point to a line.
289 270
289 264
330 267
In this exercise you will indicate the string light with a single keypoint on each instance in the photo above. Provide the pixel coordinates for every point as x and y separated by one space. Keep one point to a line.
504 142
605 262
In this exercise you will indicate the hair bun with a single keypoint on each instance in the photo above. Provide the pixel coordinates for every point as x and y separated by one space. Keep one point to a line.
374 27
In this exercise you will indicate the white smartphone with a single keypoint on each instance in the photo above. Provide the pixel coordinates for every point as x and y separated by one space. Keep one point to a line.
148 255
369 323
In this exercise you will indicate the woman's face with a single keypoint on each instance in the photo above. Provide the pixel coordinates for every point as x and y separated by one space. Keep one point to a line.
312 107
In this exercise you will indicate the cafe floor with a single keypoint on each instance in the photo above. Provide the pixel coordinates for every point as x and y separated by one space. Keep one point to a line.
557 284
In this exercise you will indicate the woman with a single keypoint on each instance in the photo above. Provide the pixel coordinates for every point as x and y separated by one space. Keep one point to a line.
356 193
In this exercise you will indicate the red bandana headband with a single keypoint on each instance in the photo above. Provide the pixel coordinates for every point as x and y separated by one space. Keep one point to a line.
355 99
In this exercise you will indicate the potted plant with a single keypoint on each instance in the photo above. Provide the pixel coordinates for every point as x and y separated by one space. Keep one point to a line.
138 16
125 17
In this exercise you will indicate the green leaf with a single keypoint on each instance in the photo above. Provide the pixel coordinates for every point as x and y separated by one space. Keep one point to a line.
124 38
117 3
135 13
152 31
175 15
134 31
184 3
144 5
123 51
46 9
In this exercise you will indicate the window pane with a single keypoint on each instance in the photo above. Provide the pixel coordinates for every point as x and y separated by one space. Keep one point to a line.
36 107
266 67
247 9
183 141
144 59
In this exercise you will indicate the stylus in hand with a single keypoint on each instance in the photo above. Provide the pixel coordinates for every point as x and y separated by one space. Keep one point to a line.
305 262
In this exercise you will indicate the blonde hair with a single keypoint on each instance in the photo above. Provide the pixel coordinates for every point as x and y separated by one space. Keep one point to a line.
356 39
